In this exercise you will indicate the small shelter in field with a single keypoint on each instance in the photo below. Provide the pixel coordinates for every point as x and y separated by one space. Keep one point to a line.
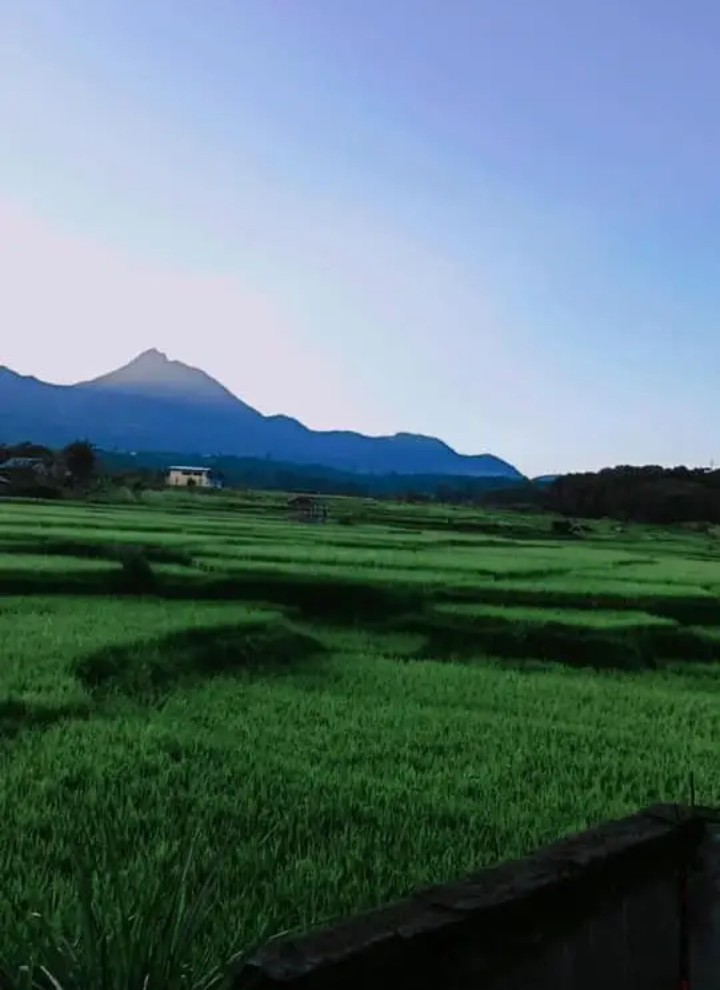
308 508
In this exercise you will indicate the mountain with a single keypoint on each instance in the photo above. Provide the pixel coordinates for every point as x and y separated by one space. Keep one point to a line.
155 404
152 374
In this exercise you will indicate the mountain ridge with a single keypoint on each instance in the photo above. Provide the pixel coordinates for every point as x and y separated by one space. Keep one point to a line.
152 372
154 403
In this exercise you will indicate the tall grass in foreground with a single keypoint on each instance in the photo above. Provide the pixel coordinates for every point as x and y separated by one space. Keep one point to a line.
373 764
115 944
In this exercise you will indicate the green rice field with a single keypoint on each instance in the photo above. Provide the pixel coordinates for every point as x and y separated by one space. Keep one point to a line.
327 715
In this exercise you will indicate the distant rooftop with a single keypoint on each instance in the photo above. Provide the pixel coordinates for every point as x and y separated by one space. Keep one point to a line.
22 462
186 467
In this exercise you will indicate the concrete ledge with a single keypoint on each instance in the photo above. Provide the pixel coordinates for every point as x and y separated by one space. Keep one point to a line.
533 912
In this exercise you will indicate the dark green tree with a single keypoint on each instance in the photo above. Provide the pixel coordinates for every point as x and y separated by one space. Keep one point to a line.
80 461
642 494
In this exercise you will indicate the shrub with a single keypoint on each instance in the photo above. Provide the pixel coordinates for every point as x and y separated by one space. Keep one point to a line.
137 573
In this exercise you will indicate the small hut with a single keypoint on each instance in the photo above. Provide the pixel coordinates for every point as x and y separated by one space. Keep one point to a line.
308 508
570 528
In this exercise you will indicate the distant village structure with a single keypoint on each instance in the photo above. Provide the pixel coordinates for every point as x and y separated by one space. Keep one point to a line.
181 476
307 508
26 465
18 474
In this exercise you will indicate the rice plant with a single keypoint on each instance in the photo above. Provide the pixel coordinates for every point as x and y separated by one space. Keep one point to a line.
281 737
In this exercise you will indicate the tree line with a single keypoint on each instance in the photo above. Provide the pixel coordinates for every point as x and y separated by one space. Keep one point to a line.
31 468
269 475
649 494
79 467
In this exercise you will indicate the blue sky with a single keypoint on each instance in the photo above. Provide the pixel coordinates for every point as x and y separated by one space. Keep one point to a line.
494 222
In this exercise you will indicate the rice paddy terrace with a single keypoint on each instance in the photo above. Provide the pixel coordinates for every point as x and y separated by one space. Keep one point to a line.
337 714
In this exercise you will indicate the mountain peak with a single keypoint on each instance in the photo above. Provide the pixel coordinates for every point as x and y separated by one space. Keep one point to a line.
151 357
152 373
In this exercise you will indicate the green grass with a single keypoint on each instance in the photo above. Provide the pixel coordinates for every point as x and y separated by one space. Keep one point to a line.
45 638
580 618
31 562
296 716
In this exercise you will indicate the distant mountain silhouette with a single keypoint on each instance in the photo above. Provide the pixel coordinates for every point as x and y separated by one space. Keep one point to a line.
152 374
154 404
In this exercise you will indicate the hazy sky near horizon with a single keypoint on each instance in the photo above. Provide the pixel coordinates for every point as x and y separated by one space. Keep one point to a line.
493 221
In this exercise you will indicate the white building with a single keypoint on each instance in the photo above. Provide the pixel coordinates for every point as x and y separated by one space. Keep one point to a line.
180 476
